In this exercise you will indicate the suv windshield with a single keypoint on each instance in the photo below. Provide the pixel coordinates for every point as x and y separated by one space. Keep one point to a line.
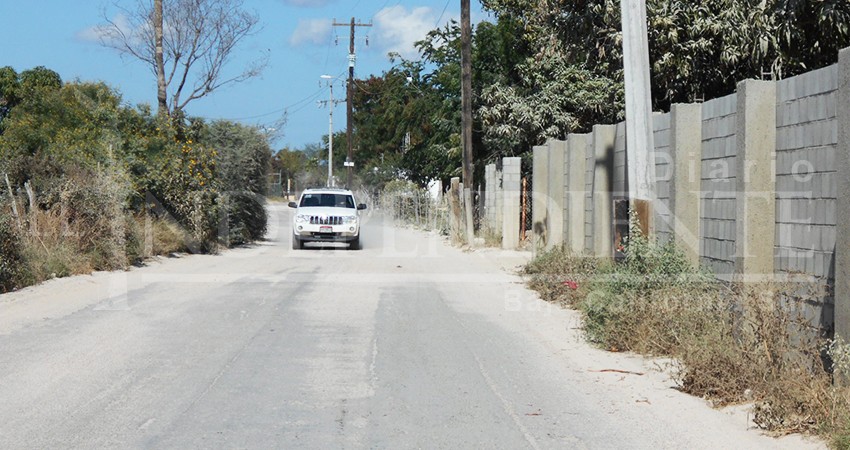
327 200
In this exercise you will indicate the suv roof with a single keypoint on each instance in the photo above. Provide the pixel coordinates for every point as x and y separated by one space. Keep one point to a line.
329 189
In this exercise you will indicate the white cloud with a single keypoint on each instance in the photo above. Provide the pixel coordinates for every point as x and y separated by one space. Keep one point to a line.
311 31
99 33
398 29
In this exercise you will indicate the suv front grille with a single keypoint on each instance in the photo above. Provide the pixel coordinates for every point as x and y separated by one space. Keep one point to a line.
325 220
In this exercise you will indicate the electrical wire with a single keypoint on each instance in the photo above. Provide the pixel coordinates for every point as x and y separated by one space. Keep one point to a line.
437 25
380 9
355 6
285 108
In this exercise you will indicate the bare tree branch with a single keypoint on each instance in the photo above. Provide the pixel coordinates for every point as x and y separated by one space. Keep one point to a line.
199 38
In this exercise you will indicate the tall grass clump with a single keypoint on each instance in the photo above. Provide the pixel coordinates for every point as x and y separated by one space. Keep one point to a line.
650 300
561 277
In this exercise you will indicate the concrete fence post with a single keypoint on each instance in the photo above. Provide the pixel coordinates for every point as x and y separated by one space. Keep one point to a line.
539 199
686 142
555 213
755 219
604 138
455 213
499 195
576 190
490 197
842 203
511 189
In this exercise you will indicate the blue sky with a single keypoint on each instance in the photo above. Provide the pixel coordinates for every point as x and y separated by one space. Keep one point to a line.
296 35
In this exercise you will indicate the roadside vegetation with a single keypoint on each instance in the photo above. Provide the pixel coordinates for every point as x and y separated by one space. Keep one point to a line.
89 183
728 344
542 70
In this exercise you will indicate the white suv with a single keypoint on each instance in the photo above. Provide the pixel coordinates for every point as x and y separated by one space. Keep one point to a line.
326 215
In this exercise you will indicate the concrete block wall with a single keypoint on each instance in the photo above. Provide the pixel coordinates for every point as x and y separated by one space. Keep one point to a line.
719 183
621 187
750 185
807 181
663 177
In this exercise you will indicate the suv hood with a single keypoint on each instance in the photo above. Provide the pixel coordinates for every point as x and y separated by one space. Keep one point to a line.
327 211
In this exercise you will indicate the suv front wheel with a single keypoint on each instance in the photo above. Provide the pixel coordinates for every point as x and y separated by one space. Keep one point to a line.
297 244
355 244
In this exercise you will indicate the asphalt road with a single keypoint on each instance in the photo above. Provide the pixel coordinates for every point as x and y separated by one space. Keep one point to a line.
408 343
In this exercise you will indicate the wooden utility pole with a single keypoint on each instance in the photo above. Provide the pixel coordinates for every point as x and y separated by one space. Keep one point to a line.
466 114
639 139
349 161
466 91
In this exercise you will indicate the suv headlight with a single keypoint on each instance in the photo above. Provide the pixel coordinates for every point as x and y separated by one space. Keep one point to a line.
302 218
349 219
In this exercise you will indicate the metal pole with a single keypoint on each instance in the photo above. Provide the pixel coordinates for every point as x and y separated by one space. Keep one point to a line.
331 138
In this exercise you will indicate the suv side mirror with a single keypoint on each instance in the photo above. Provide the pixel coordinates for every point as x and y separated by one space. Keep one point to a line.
293 205
361 206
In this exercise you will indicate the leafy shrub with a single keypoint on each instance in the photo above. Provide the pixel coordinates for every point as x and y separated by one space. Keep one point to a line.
92 163
246 217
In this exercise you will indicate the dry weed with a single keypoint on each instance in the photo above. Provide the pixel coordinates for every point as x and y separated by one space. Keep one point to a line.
730 344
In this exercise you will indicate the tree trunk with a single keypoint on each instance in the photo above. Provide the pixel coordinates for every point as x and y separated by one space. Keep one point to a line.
161 95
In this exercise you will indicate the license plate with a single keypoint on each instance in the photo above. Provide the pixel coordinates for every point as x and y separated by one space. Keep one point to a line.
326 229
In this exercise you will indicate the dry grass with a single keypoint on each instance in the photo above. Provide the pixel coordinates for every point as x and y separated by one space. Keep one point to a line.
52 247
731 344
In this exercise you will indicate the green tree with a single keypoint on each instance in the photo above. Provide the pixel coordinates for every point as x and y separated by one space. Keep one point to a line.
54 129
697 49
289 162
15 87
552 98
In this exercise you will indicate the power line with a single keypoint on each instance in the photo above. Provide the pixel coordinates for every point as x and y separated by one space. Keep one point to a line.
278 111
381 8
437 25
355 6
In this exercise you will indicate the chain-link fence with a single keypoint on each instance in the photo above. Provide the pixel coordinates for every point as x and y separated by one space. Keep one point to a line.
418 208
